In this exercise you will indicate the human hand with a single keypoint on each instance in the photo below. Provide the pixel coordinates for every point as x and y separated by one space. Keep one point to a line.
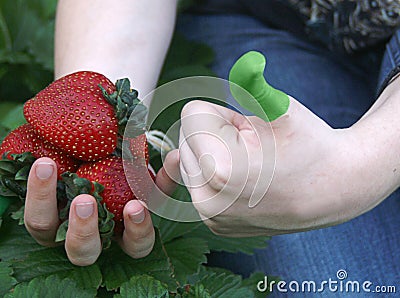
249 176
294 172
83 244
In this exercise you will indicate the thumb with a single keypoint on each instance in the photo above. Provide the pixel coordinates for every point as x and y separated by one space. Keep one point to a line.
261 98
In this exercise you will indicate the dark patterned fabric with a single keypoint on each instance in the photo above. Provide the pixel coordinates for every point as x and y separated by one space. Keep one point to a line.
349 25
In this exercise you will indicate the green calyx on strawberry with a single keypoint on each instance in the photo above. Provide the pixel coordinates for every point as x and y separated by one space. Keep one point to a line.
78 121
83 113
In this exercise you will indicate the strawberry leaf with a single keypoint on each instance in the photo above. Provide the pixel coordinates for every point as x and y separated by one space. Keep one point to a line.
29 260
170 229
118 268
252 281
233 245
143 286
6 279
52 286
186 255
14 174
197 291
221 284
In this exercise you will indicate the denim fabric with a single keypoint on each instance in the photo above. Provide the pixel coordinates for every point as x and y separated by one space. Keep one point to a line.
339 89
391 61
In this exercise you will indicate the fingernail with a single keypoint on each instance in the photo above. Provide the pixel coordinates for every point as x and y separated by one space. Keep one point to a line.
44 170
137 217
84 210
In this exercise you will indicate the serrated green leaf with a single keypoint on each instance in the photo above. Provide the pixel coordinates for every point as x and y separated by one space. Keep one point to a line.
6 279
118 268
219 243
197 291
143 286
252 281
15 242
172 229
186 255
223 284
22 174
30 260
8 167
18 215
49 287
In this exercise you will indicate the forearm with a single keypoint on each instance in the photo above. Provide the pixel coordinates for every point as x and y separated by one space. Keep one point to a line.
376 147
123 38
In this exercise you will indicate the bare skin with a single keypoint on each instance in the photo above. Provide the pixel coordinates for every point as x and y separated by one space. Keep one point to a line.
318 176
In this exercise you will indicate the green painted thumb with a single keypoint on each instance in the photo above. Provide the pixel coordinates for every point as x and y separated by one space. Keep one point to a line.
267 103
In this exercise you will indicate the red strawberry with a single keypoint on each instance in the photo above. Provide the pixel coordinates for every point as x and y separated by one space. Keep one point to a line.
136 168
139 148
24 139
72 114
110 173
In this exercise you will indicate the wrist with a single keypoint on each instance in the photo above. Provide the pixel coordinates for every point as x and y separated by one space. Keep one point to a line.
371 170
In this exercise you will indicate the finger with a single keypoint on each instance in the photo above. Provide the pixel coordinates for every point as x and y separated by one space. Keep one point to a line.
213 135
189 164
139 236
205 192
82 244
41 214
207 128
169 176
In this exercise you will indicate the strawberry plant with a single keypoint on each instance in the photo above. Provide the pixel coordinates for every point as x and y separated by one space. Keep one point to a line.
177 266
74 129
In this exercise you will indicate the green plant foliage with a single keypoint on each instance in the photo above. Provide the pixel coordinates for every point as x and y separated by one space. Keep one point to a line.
51 286
26 47
177 265
6 279
143 286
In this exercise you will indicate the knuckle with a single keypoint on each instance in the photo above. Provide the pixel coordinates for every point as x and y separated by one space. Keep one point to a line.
38 226
216 228
82 236
190 107
82 253
219 177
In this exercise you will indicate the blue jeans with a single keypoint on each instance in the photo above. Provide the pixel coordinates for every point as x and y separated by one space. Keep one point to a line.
339 89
